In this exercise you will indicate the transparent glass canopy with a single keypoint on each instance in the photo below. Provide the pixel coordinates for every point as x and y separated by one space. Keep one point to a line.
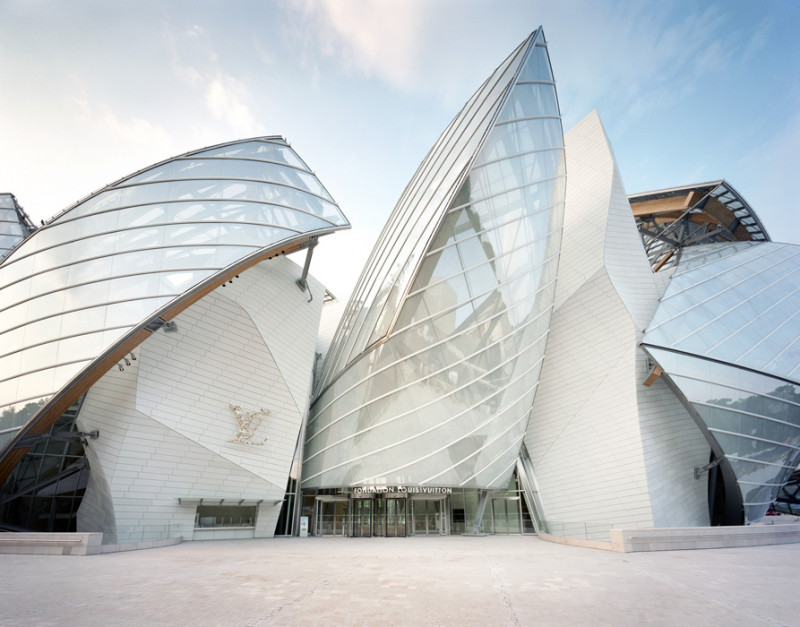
432 373
725 334
104 268
14 224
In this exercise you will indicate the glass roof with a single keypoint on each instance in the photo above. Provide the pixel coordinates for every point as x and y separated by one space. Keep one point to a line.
107 266
445 397
736 303
14 224
396 258
672 220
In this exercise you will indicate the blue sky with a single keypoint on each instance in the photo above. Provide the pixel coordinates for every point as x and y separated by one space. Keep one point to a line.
688 92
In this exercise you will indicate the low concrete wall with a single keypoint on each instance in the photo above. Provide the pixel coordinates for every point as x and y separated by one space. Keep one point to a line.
587 544
51 543
682 538
139 546
30 543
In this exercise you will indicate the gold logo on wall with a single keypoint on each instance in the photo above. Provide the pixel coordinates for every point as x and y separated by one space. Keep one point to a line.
248 421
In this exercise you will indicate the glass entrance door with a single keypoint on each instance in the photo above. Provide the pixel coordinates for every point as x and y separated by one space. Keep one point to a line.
506 515
362 517
395 519
427 517
330 518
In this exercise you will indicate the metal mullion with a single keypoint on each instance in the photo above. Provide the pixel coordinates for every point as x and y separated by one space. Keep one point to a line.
770 308
416 435
448 148
64 337
528 118
465 270
220 179
66 311
433 374
178 201
147 249
752 437
438 343
224 158
58 365
101 280
525 414
757 461
727 289
751 295
516 443
748 413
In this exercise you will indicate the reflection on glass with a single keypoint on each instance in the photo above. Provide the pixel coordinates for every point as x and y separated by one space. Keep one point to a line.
753 418
111 262
456 334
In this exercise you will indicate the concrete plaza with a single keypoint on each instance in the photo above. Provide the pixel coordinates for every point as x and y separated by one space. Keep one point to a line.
453 580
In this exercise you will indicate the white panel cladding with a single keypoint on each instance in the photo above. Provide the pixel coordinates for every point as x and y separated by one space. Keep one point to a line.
673 447
85 282
583 437
600 225
165 423
286 317
626 260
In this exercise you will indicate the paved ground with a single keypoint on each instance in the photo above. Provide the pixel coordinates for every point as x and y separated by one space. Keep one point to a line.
402 581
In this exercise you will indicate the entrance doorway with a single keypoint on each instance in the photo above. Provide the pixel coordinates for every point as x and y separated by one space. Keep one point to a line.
331 517
379 517
427 517
390 518
506 515
362 518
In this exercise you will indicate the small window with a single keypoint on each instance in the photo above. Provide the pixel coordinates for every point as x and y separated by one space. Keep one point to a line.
224 516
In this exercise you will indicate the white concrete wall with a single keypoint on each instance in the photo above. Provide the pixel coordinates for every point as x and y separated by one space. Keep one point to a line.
606 450
584 437
165 425
673 447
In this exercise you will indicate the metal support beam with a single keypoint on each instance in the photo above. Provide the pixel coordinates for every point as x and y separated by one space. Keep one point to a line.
310 245
483 497
707 467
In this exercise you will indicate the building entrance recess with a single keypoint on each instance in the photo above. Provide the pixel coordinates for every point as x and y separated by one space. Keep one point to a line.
379 517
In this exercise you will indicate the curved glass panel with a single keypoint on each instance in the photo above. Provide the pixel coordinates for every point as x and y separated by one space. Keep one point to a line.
14 224
444 399
737 303
108 265
752 418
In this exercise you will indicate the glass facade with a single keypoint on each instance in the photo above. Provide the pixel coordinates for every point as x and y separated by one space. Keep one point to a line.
725 335
750 419
103 269
45 490
431 375
14 224
737 303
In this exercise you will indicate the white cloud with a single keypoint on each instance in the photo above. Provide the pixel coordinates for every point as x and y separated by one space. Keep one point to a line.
224 97
380 39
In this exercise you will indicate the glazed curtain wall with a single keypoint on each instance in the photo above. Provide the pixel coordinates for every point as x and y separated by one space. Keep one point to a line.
445 399
725 333
109 264
754 420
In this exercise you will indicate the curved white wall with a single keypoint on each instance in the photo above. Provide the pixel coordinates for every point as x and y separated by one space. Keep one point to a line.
165 423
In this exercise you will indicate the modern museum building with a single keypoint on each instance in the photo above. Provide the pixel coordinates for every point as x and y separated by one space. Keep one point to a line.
528 348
